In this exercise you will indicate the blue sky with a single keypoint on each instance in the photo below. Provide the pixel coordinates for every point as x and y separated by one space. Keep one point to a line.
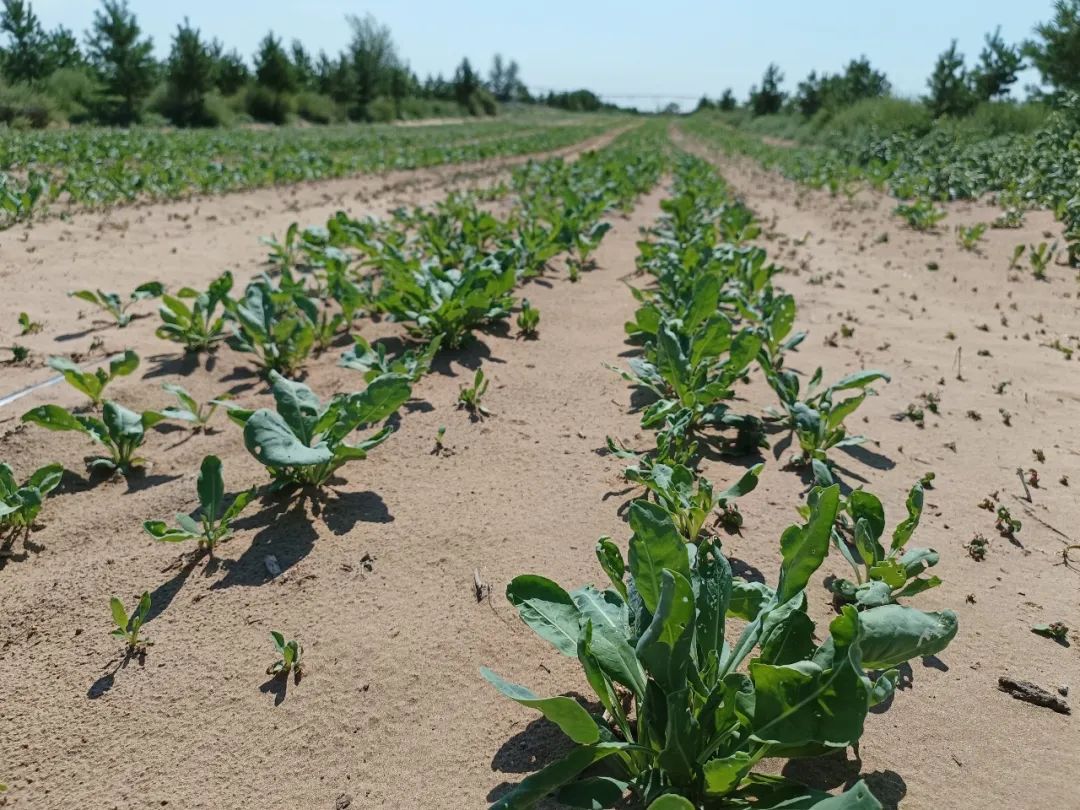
677 48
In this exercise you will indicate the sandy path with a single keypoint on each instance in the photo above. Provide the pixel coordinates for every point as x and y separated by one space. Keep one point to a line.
950 732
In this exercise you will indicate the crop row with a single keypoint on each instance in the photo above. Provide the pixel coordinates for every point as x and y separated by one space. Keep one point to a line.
688 711
101 167
444 273
1022 171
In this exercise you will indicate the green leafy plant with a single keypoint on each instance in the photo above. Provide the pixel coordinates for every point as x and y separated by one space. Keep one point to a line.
92 383
1006 524
114 305
920 215
304 442
20 504
290 658
27 326
881 577
471 397
129 626
277 327
372 360
189 410
680 718
214 521
817 416
969 236
18 353
453 302
1057 631
528 320
1040 256
690 500
120 431
1018 251
197 325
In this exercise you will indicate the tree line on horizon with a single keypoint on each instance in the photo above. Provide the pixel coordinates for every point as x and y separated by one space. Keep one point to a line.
112 77
953 88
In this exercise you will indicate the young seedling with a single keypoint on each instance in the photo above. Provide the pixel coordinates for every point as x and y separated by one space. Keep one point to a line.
19 505
1006 524
1040 258
470 397
113 305
372 360
440 442
18 353
1018 251
27 326
921 215
189 410
92 383
214 523
978 548
128 627
528 320
197 326
119 430
1057 631
289 658
969 236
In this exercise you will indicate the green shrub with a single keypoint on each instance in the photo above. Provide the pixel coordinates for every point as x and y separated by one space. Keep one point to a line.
74 92
267 106
419 108
1004 118
481 102
317 108
381 109
886 115
24 107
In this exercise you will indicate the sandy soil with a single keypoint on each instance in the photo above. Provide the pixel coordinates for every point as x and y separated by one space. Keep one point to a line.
378 579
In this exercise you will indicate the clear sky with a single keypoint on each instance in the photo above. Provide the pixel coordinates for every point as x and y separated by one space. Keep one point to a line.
620 49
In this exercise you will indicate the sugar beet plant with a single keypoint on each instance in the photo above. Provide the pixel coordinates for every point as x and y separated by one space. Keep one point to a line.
215 518
681 719
119 430
21 503
92 383
303 441
116 307
192 318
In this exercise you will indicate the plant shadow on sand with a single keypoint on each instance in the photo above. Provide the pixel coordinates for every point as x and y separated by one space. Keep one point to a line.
536 746
103 684
288 530
836 770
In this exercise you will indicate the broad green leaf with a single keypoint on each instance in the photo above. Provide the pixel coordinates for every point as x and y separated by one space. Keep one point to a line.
211 487
804 547
713 599
569 715
655 545
297 405
53 417
535 787
664 647
160 530
547 609
593 792
744 486
903 532
893 634
383 396
748 598
723 775
670 801
118 613
268 437
610 642
121 365
611 560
